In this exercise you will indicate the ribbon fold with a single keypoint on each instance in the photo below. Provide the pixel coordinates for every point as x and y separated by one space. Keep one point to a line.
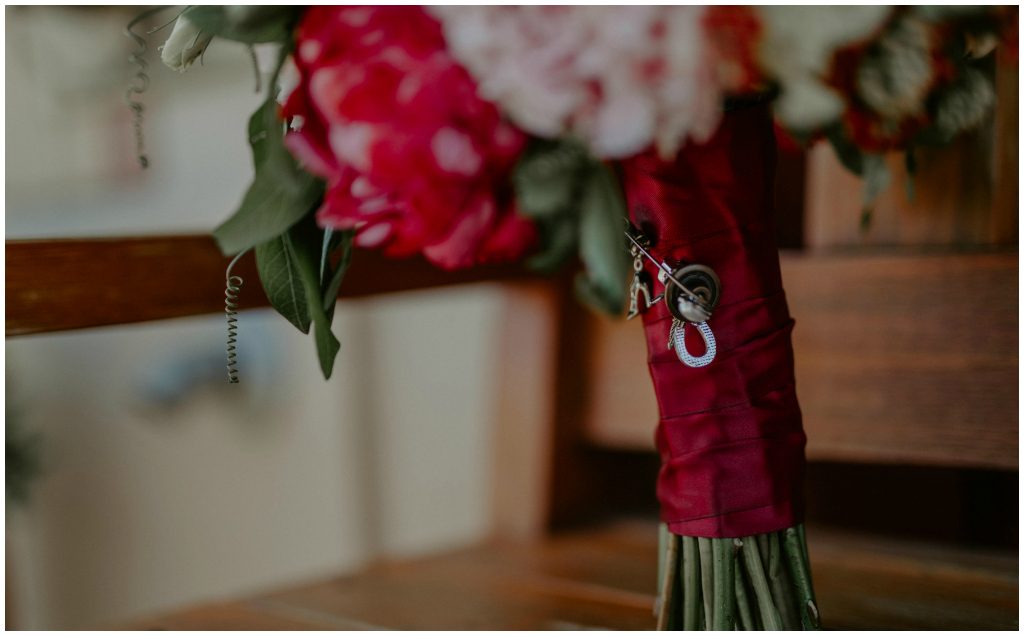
730 434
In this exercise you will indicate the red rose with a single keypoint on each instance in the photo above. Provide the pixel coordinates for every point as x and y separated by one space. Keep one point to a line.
413 158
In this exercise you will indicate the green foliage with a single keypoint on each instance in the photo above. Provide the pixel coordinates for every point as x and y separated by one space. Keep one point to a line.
302 282
560 239
260 123
331 275
846 151
602 246
547 177
869 166
21 459
301 267
248 24
281 192
280 195
281 279
576 202
305 243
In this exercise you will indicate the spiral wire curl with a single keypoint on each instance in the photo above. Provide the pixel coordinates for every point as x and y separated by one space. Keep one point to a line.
233 284
140 81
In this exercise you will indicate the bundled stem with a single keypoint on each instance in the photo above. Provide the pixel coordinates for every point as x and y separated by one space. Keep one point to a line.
761 582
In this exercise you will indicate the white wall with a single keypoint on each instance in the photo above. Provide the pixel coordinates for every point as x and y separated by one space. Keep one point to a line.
163 485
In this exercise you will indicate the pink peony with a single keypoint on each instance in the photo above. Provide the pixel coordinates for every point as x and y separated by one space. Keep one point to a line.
621 78
413 158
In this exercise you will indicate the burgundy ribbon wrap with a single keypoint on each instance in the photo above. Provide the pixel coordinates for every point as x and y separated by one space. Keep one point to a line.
730 434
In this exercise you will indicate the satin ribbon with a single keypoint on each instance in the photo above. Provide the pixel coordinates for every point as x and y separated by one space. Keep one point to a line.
730 434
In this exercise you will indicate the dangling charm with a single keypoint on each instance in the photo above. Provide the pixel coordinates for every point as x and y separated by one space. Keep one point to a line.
640 285
677 341
691 293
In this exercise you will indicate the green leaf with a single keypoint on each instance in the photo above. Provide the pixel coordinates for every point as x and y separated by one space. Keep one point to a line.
547 177
876 179
280 195
23 459
305 243
846 151
252 25
558 244
331 281
259 135
602 243
548 181
281 192
325 252
327 347
282 282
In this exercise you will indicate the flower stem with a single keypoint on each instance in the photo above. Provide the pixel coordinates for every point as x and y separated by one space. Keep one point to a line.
707 577
799 569
744 617
724 590
755 570
749 583
668 582
691 585
779 583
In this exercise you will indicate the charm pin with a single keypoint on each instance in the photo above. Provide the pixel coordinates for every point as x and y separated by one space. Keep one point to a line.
691 294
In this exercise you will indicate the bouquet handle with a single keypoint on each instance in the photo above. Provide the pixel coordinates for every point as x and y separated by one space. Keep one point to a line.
730 431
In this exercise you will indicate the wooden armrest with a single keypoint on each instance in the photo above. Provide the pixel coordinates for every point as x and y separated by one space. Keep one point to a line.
59 284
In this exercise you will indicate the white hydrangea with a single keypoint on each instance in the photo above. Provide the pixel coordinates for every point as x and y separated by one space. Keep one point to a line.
619 78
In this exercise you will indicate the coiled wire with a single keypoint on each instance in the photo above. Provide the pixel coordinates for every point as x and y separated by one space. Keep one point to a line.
233 284
140 82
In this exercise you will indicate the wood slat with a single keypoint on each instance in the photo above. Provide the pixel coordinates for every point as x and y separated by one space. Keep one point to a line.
951 205
238 615
908 360
506 586
869 583
605 578
55 285
899 358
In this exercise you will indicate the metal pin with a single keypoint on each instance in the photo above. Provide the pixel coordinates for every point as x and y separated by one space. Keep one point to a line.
690 296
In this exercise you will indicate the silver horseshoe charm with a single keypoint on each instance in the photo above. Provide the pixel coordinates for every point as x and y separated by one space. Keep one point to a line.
677 341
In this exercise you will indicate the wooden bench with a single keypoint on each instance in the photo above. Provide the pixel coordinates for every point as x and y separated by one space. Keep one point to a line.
577 408
603 579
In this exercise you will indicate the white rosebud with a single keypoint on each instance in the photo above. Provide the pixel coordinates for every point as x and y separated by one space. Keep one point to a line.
186 43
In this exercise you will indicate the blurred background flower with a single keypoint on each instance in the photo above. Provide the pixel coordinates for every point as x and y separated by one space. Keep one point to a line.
619 78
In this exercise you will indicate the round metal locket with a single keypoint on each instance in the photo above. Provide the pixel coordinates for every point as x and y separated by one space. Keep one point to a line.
703 282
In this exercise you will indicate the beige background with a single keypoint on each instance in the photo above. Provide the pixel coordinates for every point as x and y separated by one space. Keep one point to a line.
162 485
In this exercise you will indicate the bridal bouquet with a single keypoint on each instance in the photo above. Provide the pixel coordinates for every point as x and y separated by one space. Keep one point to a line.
639 140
